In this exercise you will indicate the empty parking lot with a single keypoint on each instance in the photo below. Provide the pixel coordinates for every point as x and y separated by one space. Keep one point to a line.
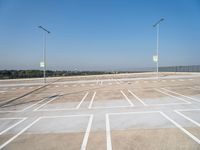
119 112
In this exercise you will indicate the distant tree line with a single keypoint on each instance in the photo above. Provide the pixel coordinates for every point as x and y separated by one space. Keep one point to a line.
14 74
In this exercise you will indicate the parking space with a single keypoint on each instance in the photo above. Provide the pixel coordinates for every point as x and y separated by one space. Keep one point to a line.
109 99
188 92
6 125
148 130
156 97
64 102
72 132
191 115
108 112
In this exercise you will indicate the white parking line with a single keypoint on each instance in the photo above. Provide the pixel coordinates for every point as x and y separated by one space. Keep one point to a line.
78 106
129 101
19 133
45 103
181 99
181 128
20 121
181 114
86 136
194 99
110 107
108 136
90 105
39 118
28 107
116 80
137 98
108 130
34 104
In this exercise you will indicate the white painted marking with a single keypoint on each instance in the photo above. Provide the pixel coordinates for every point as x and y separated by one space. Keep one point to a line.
34 122
188 109
137 98
90 105
181 99
110 107
19 133
181 114
117 81
28 107
194 99
86 136
108 136
21 120
109 144
78 106
181 128
45 103
129 101
34 104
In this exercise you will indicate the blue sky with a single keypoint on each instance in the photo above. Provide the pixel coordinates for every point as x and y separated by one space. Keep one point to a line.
98 34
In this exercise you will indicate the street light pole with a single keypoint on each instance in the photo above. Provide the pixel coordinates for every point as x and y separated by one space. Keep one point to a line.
157 25
44 51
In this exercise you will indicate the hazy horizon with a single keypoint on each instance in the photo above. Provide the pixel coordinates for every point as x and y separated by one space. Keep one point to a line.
98 35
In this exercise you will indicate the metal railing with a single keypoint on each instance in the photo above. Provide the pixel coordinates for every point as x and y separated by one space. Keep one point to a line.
193 68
